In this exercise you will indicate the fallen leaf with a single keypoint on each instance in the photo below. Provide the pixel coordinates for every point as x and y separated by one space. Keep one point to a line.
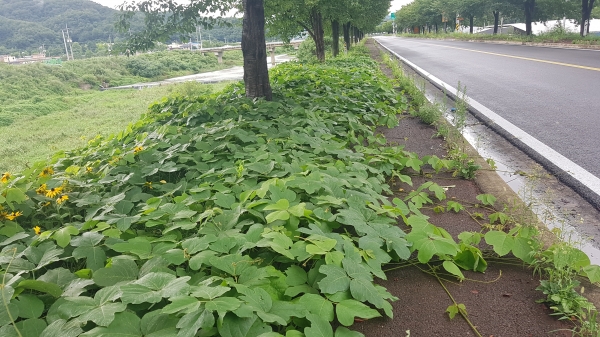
476 292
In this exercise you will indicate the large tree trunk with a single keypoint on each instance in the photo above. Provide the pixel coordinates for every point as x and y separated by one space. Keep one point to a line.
316 21
346 28
529 8
335 34
471 24
496 19
586 11
254 50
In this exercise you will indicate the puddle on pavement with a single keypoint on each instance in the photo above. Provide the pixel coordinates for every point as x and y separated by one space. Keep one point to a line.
556 205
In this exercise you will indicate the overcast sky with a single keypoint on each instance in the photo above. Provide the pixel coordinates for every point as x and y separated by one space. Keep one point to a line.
396 4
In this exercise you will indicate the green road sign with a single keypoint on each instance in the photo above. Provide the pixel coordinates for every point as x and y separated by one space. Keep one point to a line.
393 16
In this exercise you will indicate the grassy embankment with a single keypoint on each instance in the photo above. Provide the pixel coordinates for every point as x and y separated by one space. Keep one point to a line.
44 108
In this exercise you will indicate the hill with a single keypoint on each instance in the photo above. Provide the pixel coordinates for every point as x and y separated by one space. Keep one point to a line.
26 25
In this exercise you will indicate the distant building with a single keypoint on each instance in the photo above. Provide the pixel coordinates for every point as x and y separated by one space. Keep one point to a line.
7 58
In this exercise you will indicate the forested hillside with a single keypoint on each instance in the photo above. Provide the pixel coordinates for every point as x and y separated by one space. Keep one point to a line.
26 25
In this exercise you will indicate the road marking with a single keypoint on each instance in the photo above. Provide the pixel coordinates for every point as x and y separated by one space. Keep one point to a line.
517 57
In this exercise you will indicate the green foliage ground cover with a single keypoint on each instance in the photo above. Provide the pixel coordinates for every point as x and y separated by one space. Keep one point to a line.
225 215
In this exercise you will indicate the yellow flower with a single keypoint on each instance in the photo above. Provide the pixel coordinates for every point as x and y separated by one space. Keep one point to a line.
54 192
13 215
47 171
62 199
163 181
37 230
138 149
42 189
5 177
148 184
47 203
89 169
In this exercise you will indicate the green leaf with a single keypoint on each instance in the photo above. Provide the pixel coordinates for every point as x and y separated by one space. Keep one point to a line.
224 200
364 291
100 310
58 276
319 245
486 199
121 270
190 323
319 327
87 239
29 306
138 246
336 279
277 215
181 303
95 256
233 264
125 324
523 247
318 305
32 327
234 326
280 205
454 206
429 244
158 324
4 309
453 269
222 305
345 332
14 195
348 309
592 272
295 276
500 241
62 328
41 286
63 235
455 309
195 245
277 241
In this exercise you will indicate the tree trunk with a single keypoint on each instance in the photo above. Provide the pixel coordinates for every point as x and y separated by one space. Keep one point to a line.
316 21
470 24
529 8
346 28
586 11
436 28
254 50
355 33
445 27
496 19
335 33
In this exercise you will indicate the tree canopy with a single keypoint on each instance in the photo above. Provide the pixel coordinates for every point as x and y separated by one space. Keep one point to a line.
428 13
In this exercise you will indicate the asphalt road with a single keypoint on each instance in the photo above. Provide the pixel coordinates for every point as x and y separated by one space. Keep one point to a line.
552 94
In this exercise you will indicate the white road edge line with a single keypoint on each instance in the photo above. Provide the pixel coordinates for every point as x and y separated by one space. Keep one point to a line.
577 172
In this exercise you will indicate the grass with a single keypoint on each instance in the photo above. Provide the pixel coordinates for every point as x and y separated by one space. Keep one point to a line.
28 140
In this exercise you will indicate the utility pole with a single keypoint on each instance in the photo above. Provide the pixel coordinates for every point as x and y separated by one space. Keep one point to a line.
69 41
65 41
